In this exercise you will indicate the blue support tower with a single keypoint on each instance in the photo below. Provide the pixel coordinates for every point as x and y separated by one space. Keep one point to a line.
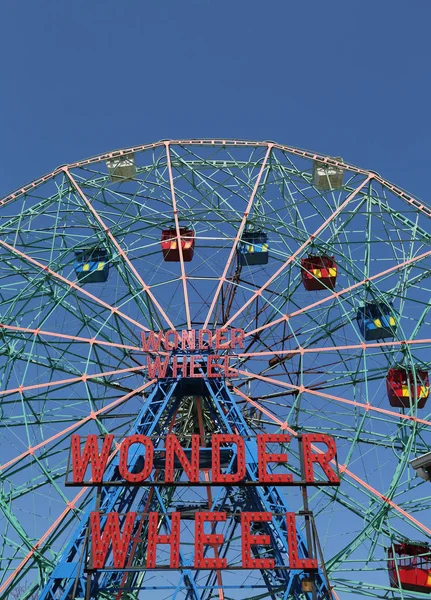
207 403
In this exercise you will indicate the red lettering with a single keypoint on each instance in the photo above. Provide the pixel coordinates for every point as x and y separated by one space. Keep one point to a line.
187 459
173 539
111 533
179 366
228 372
188 339
157 369
174 449
202 344
221 339
171 345
237 338
249 539
124 458
212 364
217 440
264 458
292 541
323 458
203 539
193 366
192 338
152 342
90 455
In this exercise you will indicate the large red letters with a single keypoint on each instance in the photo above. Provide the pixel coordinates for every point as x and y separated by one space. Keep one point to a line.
203 539
173 539
249 539
217 440
121 540
294 561
176 457
111 533
174 449
90 455
124 456
322 458
264 458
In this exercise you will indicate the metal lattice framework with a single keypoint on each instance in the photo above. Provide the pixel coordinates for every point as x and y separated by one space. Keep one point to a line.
71 360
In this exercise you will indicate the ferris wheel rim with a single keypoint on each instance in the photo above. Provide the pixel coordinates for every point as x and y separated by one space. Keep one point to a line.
269 145
325 158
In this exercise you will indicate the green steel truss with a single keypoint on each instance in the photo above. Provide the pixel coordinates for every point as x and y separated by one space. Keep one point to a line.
70 359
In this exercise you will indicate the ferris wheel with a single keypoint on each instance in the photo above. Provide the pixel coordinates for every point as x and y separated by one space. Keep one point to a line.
322 266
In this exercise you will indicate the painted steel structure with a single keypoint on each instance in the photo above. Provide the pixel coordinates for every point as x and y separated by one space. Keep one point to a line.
71 359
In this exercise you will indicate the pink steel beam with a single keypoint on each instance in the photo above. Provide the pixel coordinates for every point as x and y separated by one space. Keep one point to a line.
63 336
265 411
362 346
71 284
300 350
341 292
120 251
83 378
92 415
177 229
366 406
238 236
342 468
291 258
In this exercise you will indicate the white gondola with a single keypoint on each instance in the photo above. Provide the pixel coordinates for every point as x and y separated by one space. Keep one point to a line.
327 177
121 168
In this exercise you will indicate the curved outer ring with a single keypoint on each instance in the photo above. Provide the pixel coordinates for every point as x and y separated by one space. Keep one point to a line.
221 142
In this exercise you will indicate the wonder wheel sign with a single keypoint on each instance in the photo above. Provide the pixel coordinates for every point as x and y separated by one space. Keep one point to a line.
214 367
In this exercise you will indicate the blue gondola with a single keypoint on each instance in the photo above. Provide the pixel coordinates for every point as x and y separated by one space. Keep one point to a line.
253 248
91 265
376 321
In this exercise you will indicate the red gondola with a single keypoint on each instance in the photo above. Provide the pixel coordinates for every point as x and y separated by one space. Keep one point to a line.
319 272
401 387
170 248
413 563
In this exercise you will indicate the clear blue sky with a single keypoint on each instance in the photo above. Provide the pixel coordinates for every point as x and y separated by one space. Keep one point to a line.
345 78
